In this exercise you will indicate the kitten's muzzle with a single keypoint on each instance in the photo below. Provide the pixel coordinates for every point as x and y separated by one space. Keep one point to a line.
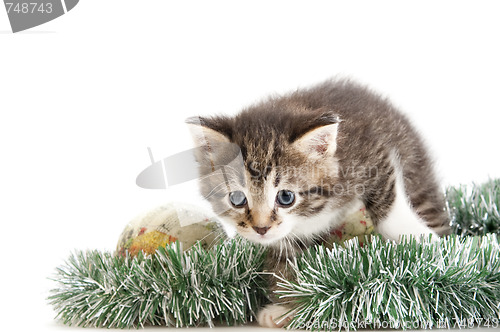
261 230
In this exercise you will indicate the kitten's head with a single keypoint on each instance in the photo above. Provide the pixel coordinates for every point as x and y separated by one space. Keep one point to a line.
278 166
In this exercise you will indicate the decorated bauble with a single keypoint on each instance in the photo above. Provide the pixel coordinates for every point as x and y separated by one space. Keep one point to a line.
168 223
358 224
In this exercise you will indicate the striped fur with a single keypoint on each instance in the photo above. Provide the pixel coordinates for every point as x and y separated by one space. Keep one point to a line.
337 146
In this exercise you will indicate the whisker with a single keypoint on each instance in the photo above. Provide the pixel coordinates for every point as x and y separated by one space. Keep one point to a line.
322 238
214 193
217 187
279 257
216 239
297 238
288 255
206 176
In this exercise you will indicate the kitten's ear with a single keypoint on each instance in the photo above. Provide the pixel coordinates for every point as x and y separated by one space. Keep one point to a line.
204 134
209 136
318 142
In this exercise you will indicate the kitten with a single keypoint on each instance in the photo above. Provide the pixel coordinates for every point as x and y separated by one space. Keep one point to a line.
310 158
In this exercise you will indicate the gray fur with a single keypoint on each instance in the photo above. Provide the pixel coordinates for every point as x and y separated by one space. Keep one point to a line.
370 131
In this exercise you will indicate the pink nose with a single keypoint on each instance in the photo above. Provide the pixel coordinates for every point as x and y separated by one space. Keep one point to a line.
261 230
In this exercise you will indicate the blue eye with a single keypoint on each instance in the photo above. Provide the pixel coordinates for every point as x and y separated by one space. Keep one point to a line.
238 199
285 198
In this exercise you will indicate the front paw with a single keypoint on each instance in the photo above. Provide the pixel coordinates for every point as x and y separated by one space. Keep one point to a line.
274 315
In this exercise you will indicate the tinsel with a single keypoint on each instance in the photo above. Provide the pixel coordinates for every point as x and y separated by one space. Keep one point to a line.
447 282
172 288
474 209
406 285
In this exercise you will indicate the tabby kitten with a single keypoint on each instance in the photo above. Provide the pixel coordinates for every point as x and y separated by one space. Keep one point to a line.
308 159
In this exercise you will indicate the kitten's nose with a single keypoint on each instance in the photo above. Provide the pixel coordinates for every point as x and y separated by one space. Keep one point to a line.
261 230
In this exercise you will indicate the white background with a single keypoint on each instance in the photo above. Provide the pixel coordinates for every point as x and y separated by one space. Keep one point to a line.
83 96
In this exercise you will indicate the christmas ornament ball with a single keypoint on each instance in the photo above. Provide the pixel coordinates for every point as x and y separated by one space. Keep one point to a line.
166 224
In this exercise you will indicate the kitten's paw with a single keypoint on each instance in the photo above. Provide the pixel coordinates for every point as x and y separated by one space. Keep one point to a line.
274 315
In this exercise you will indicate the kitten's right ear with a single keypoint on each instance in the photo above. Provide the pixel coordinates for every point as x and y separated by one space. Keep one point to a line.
204 133
319 142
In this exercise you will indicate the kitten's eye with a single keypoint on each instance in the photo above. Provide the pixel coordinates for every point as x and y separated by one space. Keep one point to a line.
238 199
285 198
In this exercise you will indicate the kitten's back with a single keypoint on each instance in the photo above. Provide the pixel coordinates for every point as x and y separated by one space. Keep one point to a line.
374 133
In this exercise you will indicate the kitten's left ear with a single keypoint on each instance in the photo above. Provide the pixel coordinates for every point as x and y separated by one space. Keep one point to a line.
211 138
318 142
207 133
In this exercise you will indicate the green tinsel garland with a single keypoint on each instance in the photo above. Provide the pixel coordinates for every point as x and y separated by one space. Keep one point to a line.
170 288
398 285
474 209
445 283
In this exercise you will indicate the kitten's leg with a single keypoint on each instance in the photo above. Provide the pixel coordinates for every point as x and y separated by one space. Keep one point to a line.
401 219
274 315
277 314
429 204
